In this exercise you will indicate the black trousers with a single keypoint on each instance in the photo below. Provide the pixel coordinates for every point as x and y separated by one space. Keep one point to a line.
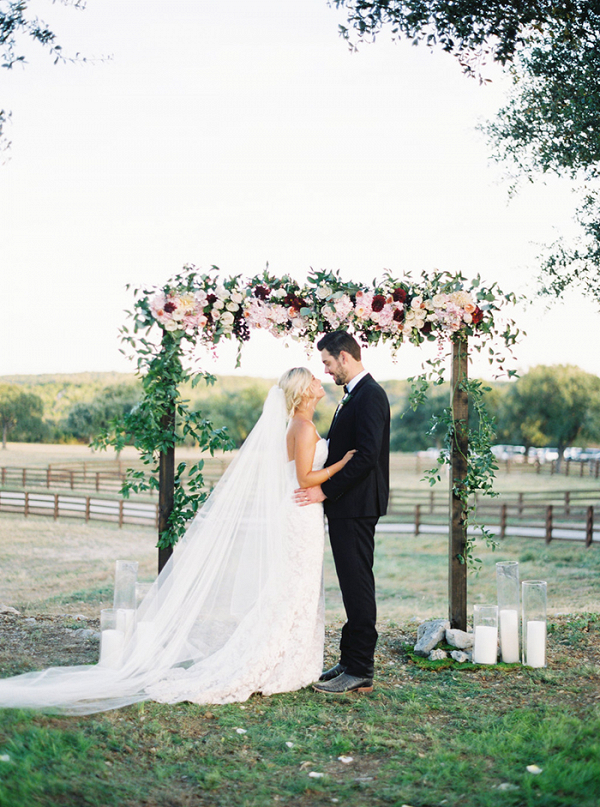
353 542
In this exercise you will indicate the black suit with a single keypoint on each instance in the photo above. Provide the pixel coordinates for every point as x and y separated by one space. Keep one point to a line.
356 497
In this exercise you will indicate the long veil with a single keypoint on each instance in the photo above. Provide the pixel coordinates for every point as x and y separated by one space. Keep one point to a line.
211 606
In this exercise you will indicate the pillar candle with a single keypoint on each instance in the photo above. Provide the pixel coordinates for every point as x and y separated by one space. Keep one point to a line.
486 645
536 644
509 635
112 643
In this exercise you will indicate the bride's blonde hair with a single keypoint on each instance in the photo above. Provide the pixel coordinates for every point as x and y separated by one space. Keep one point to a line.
294 384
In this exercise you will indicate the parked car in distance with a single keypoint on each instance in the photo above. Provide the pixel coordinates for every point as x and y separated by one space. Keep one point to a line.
507 452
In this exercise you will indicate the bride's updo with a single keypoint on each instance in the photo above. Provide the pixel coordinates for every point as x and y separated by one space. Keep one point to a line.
295 383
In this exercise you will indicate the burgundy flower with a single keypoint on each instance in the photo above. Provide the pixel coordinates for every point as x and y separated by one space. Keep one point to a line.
211 298
293 301
426 328
378 302
399 295
169 307
398 315
262 292
477 315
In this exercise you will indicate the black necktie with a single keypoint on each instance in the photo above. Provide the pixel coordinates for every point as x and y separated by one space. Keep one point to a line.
345 390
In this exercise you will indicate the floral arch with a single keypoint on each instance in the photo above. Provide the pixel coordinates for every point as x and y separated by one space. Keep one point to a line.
194 308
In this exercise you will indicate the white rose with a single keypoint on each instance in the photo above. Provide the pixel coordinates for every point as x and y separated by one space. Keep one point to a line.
232 306
172 326
439 301
236 297
278 293
461 298
323 292
221 291
227 318
218 304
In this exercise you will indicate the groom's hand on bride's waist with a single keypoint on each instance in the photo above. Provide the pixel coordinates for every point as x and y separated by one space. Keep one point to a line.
304 496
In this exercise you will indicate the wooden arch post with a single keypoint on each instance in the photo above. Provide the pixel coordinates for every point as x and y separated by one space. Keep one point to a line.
166 485
457 571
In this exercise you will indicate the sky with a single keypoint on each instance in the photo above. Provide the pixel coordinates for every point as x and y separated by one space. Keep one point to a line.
239 134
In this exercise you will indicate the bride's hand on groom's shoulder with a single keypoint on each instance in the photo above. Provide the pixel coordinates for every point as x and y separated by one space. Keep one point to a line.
304 496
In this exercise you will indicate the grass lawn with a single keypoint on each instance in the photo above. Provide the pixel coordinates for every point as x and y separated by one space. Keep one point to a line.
428 735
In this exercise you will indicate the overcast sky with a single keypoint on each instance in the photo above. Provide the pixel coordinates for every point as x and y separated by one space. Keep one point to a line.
243 133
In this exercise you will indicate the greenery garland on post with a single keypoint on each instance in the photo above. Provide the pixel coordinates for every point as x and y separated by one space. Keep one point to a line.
196 308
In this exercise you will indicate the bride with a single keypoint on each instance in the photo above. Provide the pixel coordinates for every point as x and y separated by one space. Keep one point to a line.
238 608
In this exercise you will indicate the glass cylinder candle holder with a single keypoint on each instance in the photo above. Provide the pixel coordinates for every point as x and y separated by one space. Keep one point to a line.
507 585
485 631
534 622
112 637
125 580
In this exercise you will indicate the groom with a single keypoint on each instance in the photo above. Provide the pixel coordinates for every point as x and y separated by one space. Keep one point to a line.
354 499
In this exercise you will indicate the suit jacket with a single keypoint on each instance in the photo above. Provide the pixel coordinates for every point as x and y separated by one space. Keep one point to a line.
361 488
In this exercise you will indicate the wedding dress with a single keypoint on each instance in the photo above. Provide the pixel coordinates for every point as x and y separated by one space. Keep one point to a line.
238 608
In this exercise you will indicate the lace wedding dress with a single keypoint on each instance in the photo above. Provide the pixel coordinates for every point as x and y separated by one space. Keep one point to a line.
238 609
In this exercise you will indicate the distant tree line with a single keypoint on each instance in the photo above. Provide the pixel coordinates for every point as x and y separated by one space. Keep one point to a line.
556 406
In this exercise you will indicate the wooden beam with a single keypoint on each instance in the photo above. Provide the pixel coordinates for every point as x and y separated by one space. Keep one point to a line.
457 571
166 489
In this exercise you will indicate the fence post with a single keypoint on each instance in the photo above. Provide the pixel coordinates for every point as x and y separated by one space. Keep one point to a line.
597 470
589 526
24 477
538 467
567 467
120 512
26 507
431 500
580 467
417 518
71 475
567 502
548 523
457 571
87 508
503 521
55 506
520 503
97 481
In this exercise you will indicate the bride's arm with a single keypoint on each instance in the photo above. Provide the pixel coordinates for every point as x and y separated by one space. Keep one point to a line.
304 454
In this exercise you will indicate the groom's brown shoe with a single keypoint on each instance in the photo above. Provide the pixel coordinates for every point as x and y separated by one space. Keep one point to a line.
345 683
327 675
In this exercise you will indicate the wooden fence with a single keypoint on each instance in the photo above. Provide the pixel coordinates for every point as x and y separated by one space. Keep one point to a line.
566 514
551 515
86 478
58 505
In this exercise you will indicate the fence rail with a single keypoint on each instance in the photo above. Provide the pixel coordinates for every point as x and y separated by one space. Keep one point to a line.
86 479
58 505
566 519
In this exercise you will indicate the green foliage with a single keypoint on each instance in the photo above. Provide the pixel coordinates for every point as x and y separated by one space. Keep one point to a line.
480 463
236 411
469 29
86 419
551 123
554 406
18 409
17 24
417 429
163 418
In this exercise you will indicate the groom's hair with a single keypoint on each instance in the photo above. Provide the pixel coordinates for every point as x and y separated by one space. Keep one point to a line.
336 341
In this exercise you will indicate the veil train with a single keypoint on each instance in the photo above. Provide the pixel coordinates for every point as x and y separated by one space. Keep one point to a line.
212 615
